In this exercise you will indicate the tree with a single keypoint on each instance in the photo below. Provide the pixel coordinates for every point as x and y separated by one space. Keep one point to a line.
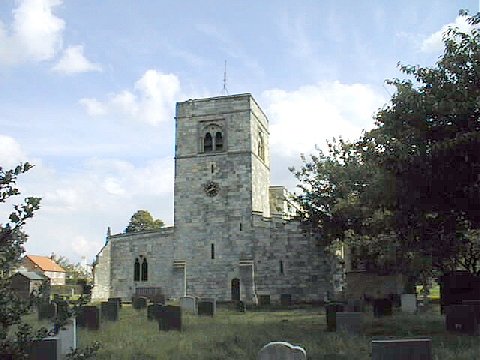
12 239
427 139
142 220
75 272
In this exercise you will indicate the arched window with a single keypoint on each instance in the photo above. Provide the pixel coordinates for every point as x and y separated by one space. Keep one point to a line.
212 251
218 141
281 267
136 270
144 270
207 143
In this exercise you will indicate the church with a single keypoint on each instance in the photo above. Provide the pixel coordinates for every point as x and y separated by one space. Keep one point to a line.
233 236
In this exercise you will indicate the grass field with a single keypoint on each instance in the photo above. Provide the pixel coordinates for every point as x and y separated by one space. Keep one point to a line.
232 335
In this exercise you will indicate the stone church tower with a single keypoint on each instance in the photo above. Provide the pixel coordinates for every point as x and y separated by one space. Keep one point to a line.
232 237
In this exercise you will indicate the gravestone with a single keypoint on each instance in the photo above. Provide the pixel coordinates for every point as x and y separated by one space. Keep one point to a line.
475 304
45 349
240 306
331 310
281 351
92 317
461 319
47 311
153 311
286 299
109 310
409 303
139 302
354 305
118 300
458 286
402 349
263 300
207 306
67 336
80 317
170 318
349 322
382 307
188 304
158 298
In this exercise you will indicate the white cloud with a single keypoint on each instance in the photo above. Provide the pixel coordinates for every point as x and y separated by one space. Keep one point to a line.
434 42
73 61
35 34
310 115
152 99
11 153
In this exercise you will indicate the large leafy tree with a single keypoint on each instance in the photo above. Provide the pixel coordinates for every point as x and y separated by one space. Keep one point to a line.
142 220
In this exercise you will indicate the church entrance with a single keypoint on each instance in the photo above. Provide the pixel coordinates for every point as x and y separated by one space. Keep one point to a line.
235 288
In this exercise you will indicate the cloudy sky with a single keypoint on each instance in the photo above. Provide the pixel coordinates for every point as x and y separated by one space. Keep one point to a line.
88 91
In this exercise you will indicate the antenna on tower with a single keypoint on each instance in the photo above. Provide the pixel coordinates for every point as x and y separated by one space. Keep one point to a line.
225 90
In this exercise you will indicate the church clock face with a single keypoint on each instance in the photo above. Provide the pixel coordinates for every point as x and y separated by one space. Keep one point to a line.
211 188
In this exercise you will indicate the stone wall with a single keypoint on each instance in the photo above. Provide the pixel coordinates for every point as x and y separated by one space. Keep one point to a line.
101 274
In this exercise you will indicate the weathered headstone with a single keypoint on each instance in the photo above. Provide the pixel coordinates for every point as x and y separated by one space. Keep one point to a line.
80 317
286 299
382 307
263 300
409 303
118 300
207 306
281 351
188 304
109 310
331 310
354 305
158 298
170 318
458 286
47 311
48 348
68 337
402 349
154 310
461 319
139 302
475 304
350 322
92 317
240 306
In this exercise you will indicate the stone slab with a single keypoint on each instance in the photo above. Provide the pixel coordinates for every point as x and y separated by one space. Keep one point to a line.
153 311
350 322
286 299
461 319
139 302
207 307
46 349
281 351
188 304
47 311
92 317
382 307
170 318
68 337
109 310
118 300
402 349
409 303
331 310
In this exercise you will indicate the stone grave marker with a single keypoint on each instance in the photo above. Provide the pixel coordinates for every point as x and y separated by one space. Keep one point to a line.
409 303
188 304
331 310
45 349
286 299
170 318
80 317
280 350
153 311
263 300
158 298
47 311
118 300
240 306
382 307
461 319
475 304
349 322
207 306
92 317
67 336
109 310
139 302
402 349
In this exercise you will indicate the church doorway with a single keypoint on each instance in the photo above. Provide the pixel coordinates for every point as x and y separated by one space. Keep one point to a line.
235 288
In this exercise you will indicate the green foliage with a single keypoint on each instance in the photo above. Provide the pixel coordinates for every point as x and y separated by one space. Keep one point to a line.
75 272
12 239
142 220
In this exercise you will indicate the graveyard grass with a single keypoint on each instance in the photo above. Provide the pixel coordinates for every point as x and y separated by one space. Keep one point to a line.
233 335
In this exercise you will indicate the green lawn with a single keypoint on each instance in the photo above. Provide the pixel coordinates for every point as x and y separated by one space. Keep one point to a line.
231 335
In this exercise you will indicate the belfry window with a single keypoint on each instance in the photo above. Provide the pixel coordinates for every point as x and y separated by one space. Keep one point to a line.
136 270
208 143
218 141
144 270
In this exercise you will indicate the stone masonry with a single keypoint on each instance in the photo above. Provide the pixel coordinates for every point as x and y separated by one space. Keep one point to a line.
232 236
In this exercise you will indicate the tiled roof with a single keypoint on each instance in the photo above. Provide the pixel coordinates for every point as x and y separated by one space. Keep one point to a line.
45 263
31 275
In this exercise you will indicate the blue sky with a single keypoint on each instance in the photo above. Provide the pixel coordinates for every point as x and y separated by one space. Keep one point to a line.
88 91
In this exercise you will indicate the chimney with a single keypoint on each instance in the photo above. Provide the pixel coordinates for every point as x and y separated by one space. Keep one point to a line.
52 256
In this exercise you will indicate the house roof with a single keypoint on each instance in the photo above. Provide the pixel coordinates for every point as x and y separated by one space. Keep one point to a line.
31 275
45 263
